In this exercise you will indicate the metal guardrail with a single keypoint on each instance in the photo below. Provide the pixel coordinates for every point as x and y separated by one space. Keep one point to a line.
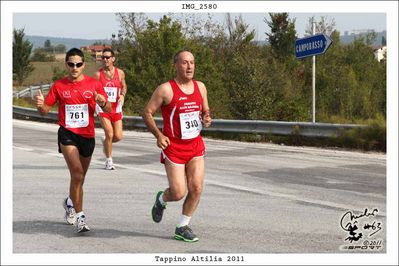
31 91
307 129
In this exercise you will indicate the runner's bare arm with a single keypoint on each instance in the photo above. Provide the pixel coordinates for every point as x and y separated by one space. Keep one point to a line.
41 106
107 107
160 95
206 115
102 102
123 87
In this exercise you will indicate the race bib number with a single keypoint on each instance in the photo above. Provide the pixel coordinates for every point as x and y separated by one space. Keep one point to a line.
112 93
76 115
190 125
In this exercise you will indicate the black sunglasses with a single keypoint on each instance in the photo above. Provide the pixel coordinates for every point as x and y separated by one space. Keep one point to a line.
72 65
106 57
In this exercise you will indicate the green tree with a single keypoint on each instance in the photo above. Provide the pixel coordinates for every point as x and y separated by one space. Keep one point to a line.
238 32
58 73
21 51
60 48
210 69
282 34
47 44
40 55
249 81
350 84
89 57
147 55
383 41
48 47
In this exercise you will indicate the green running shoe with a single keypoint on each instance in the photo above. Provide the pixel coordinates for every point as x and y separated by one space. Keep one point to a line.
186 234
157 209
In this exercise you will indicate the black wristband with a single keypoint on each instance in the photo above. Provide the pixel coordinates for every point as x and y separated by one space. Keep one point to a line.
102 107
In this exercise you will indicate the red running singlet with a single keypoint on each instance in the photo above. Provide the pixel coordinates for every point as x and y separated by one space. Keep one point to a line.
113 89
76 104
181 117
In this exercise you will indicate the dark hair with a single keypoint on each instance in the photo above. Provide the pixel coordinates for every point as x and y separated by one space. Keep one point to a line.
109 50
73 52
176 56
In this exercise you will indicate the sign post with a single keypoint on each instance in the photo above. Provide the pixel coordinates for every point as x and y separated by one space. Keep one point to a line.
312 46
314 80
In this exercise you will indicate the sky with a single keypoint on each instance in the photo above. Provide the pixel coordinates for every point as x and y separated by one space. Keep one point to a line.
103 25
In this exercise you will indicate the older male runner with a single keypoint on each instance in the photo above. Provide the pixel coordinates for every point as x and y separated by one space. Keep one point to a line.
185 110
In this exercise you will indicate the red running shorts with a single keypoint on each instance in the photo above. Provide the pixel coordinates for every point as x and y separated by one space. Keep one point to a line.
113 117
182 151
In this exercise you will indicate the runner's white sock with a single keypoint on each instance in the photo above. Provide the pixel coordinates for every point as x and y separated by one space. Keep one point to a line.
161 199
79 214
184 220
109 159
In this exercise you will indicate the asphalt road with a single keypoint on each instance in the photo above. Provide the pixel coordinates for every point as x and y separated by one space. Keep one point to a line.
257 198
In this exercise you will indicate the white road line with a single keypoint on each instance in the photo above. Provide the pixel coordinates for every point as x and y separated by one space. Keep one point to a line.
22 148
288 196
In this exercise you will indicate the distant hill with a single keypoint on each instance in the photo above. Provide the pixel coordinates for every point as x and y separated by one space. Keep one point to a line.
350 38
38 41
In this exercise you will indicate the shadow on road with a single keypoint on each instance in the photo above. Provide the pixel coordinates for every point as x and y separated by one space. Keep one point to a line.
56 227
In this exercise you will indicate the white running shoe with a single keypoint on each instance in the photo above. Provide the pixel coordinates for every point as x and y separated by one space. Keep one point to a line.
81 225
70 213
109 165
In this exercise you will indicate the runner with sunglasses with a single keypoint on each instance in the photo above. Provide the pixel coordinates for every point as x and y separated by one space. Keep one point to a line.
77 96
113 81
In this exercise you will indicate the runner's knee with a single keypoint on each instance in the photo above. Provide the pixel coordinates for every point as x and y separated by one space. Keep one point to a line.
109 135
176 194
77 175
117 137
195 190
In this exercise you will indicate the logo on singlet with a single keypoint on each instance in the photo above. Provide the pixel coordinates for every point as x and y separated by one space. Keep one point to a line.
182 98
110 84
66 94
88 94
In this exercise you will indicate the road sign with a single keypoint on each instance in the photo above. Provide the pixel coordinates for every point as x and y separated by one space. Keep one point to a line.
312 45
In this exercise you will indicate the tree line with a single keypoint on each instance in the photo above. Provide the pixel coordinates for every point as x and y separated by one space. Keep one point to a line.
250 81
47 52
246 80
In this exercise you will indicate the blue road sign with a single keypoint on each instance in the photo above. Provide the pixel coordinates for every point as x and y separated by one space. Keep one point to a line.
312 45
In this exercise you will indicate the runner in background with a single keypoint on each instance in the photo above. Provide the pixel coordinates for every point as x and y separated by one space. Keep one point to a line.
113 81
77 96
